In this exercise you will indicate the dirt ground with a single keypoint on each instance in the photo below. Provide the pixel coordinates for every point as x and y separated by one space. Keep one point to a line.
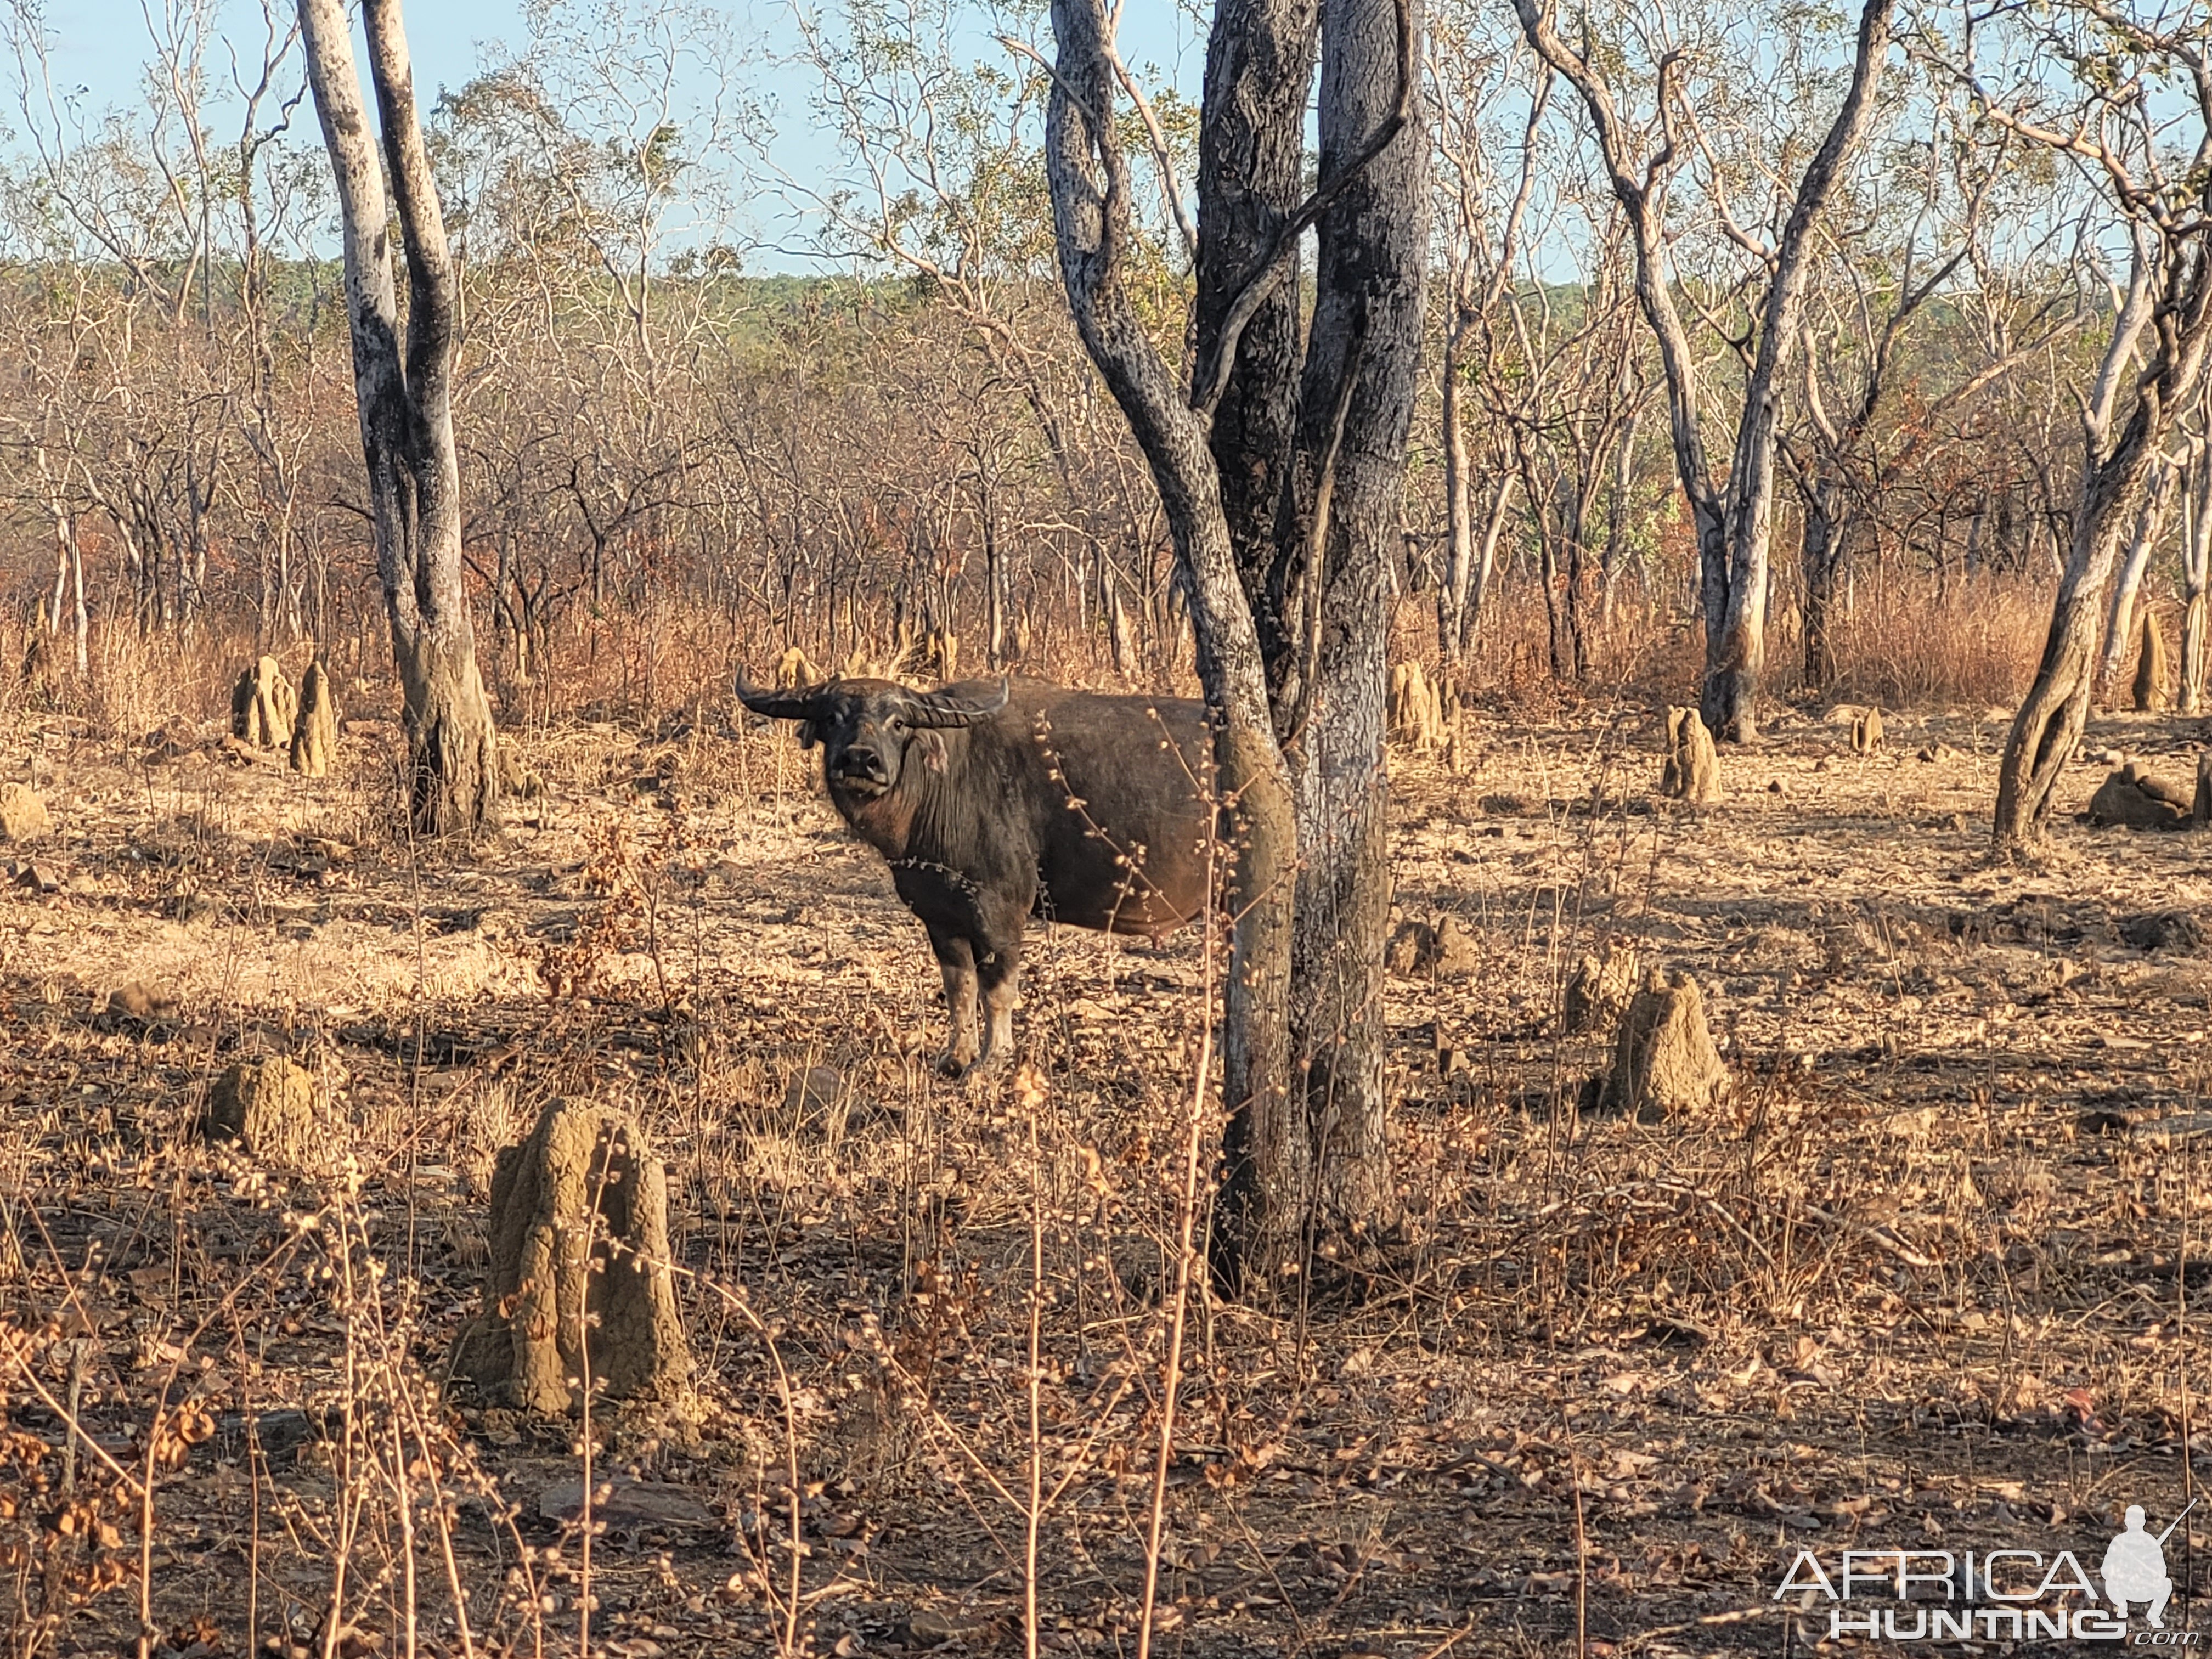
1926 1280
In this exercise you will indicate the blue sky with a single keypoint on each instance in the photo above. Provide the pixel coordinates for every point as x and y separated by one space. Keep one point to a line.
99 49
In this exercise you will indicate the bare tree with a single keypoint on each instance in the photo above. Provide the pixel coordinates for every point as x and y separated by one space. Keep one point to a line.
1281 469
1734 518
2156 173
404 383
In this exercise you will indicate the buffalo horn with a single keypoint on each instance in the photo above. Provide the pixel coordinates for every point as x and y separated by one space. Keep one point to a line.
806 703
942 709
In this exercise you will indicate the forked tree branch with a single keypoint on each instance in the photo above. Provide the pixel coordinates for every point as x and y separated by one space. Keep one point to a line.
1210 379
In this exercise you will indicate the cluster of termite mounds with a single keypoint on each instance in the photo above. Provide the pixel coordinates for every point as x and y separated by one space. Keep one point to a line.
267 713
579 1308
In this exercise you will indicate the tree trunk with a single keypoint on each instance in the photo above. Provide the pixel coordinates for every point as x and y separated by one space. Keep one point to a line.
2196 569
1362 357
1281 472
2120 625
1734 522
1819 554
402 386
2167 316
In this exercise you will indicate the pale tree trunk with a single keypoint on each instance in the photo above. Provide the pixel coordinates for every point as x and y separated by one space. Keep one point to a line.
1734 521
2196 569
2120 625
403 389
1280 473
1469 554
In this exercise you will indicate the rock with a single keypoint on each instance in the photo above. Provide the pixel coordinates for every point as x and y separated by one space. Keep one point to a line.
2152 673
1600 989
1692 772
1935 754
1417 709
578 1225
2176 931
1867 732
22 813
267 1106
2132 797
315 731
40 877
1664 1062
263 706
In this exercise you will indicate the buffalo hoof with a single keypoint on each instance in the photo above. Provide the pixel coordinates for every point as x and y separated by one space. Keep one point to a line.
953 1064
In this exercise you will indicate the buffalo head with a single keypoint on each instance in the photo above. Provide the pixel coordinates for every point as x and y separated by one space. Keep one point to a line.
870 729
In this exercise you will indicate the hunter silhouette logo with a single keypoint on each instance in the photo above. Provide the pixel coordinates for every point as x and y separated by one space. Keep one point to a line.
2006 1594
2135 1566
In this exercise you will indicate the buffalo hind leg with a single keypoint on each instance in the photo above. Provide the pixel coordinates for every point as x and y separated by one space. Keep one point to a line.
957 961
999 976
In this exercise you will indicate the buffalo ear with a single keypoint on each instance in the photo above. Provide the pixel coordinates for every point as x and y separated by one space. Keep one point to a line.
810 733
932 745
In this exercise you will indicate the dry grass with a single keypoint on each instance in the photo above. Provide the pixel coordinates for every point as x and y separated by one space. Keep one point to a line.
1929 1277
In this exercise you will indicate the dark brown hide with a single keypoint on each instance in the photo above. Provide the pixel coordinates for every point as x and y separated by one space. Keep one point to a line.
1069 805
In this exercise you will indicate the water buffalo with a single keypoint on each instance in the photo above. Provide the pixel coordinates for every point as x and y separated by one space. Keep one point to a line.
993 802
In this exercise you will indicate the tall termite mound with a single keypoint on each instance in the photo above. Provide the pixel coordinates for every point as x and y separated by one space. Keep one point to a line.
579 1284
264 705
1664 1063
315 730
1417 709
1692 772
2153 673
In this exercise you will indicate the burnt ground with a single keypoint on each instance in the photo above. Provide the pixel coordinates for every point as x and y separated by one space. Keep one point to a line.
1927 1279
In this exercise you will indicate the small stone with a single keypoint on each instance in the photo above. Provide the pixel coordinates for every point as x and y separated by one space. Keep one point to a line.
2176 931
1936 754
1774 787
39 877
22 813
2133 798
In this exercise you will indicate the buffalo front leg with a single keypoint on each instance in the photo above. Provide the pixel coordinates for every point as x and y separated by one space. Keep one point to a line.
999 974
956 958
